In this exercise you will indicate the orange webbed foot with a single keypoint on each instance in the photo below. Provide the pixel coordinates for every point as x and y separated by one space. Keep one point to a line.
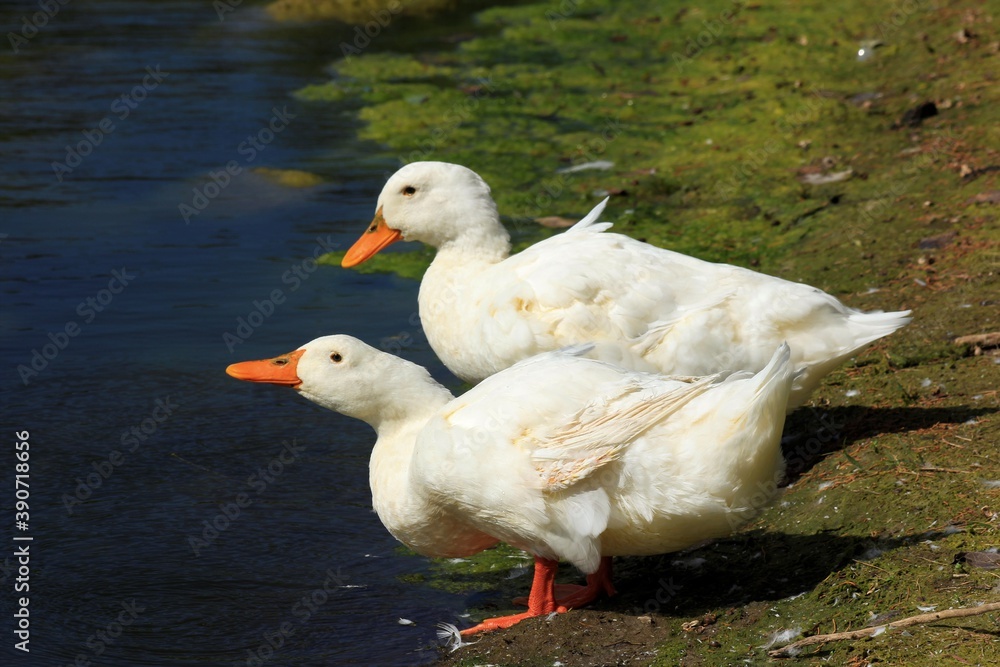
504 622
541 600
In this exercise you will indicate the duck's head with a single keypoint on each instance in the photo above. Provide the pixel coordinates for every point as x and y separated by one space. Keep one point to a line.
436 203
345 375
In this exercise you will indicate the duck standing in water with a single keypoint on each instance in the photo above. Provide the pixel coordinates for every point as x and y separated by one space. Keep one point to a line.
566 457
643 307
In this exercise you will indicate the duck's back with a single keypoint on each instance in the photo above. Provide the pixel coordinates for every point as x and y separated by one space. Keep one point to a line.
644 307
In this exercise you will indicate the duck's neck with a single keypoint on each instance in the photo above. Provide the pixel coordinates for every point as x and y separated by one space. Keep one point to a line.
490 249
402 507
408 412
483 237
458 262
407 507
454 280
397 425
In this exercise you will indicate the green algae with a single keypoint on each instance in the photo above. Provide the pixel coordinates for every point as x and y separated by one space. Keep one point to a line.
700 136
290 178
353 11
713 115
405 264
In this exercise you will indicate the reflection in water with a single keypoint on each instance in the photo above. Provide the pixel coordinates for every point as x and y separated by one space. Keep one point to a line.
180 517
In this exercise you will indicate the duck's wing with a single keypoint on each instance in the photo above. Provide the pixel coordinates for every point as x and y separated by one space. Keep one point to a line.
589 285
599 433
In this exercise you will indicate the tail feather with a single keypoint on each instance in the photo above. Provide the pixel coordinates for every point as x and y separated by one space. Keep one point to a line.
589 223
862 328
779 369
869 327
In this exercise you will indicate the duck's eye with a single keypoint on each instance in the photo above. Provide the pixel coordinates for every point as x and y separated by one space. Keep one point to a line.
409 191
336 357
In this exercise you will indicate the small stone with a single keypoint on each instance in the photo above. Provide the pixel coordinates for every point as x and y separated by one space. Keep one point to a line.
933 242
991 197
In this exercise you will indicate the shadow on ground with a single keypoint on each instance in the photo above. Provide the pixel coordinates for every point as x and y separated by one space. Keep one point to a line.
811 434
756 566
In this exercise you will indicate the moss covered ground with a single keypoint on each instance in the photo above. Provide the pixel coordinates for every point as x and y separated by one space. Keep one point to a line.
353 11
853 146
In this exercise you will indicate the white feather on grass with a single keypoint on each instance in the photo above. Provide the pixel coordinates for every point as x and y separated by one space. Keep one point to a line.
782 637
452 638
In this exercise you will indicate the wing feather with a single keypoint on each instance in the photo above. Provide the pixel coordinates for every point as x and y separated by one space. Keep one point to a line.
599 433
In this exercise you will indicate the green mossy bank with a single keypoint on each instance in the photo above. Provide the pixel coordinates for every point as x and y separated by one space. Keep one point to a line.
853 146
356 12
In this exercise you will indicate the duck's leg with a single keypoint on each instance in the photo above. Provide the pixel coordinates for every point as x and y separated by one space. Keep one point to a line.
573 596
541 600
597 583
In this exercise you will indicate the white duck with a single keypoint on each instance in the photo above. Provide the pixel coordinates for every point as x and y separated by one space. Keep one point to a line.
645 308
562 456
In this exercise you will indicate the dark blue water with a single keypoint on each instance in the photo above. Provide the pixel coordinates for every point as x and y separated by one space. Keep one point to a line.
137 437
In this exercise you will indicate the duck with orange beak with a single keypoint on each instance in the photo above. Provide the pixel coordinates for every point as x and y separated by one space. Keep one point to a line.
643 307
565 457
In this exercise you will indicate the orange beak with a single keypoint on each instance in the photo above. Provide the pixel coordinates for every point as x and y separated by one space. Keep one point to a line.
377 236
280 370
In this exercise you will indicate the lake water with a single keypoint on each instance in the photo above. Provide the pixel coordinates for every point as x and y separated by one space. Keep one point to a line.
138 439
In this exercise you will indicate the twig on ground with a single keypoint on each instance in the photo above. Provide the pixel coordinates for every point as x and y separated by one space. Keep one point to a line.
981 341
790 649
